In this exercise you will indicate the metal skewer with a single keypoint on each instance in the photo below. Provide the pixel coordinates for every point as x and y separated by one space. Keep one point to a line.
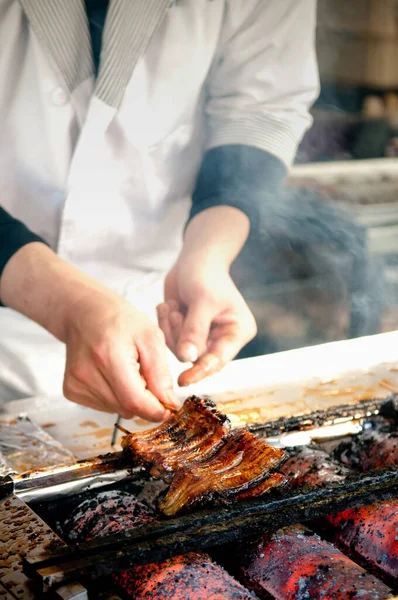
123 429
118 426
114 434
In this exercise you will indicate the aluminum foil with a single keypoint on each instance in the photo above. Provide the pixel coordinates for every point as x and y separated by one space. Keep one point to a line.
25 446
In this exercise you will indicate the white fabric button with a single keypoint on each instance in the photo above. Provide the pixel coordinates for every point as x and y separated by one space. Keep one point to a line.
59 97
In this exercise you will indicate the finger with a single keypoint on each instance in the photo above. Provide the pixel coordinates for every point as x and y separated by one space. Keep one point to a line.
84 382
163 313
226 341
195 332
90 399
176 323
207 365
155 370
129 388
224 344
172 304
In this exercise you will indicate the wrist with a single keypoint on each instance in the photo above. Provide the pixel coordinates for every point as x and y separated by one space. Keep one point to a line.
204 260
46 289
78 297
65 291
215 237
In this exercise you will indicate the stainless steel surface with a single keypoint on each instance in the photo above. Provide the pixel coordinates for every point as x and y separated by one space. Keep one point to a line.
67 479
252 390
53 492
318 434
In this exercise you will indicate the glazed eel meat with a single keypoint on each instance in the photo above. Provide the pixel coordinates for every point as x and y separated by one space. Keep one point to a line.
203 460
195 432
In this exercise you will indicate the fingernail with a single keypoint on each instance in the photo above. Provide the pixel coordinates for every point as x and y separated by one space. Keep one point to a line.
189 353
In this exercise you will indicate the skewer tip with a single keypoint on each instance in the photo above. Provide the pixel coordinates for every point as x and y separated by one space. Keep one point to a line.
123 429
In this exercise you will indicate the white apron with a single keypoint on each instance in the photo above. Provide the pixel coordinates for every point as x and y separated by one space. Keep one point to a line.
104 169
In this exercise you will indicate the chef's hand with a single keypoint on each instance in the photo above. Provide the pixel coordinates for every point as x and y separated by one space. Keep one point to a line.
204 317
116 357
116 360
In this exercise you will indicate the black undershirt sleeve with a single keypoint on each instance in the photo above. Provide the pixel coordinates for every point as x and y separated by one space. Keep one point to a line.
241 176
13 235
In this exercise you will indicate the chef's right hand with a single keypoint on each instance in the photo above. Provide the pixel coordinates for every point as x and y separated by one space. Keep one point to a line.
116 356
116 359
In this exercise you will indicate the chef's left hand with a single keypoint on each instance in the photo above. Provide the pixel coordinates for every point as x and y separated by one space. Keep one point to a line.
204 317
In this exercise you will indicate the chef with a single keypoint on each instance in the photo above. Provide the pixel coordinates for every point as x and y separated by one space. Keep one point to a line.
139 140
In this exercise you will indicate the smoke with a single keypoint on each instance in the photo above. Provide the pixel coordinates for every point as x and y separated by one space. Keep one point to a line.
307 273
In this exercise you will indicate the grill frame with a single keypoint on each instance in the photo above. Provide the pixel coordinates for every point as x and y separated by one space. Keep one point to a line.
218 525
201 530
207 529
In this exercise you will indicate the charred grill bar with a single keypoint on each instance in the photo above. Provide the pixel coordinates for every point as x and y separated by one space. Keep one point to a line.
207 530
168 552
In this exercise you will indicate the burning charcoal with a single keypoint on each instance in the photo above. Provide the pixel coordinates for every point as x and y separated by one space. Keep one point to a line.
106 513
312 467
369 450
193 576
296 563
371 532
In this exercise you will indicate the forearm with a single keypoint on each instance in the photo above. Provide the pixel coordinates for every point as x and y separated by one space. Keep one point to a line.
242 177
41 286
215 235
13 236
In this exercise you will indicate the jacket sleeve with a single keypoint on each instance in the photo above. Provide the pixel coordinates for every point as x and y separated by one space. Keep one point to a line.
262 85
13 235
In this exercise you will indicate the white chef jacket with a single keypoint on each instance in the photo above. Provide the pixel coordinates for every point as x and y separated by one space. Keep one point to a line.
103 168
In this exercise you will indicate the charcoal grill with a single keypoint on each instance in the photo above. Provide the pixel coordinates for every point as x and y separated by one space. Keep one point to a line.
51 565
40 562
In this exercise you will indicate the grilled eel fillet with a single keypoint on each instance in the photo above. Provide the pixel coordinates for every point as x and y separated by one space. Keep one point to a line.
194 433
204 461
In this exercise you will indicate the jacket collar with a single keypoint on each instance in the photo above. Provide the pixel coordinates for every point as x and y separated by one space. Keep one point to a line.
62 28
129 27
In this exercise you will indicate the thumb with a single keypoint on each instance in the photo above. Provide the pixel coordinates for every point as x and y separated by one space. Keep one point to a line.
194 334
